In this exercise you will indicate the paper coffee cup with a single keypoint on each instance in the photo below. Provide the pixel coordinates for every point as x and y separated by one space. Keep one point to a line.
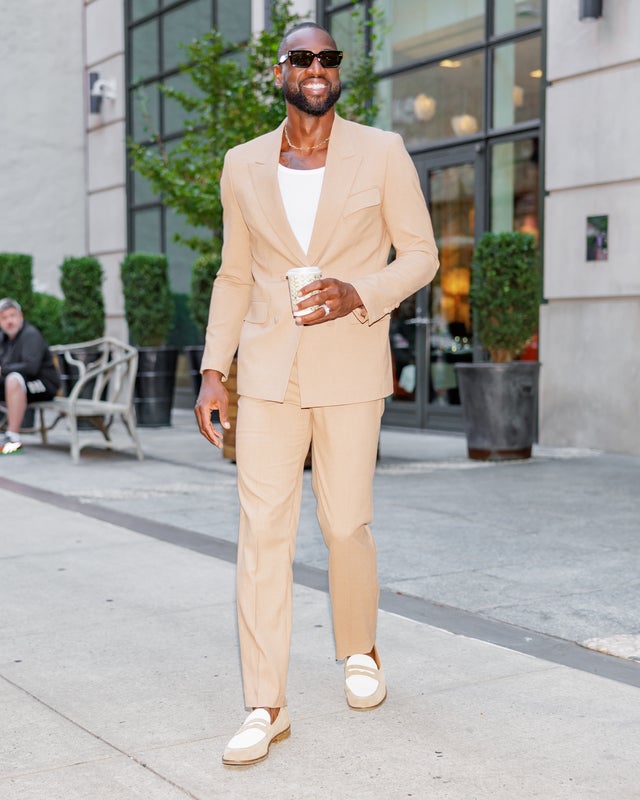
299 277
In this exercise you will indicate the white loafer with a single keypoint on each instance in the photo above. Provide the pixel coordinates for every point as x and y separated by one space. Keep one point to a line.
364 682
252 741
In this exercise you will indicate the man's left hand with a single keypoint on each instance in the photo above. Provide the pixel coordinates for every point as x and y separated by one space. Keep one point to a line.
335 298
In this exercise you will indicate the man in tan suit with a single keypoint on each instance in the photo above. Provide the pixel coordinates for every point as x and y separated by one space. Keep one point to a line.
317 191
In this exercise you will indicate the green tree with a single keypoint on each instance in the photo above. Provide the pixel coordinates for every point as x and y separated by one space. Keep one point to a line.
234 99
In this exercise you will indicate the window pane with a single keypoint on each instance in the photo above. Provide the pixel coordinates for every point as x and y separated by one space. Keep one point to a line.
145 108
141 190
144 51
140 8
514 186
147 233
180 256
510 15
437 102
516 82
234 20
182 26
174 114
417 29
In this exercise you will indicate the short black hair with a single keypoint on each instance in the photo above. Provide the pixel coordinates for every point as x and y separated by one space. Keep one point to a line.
282 48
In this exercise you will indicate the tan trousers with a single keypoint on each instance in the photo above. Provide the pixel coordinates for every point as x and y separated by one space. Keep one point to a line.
272 440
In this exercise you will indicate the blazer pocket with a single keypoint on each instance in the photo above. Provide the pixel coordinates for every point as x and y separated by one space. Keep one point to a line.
365 199
257 312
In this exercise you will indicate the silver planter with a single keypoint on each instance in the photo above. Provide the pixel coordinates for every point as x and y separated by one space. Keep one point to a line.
499 408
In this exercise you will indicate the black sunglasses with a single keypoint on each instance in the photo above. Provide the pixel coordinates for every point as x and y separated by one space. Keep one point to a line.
304 58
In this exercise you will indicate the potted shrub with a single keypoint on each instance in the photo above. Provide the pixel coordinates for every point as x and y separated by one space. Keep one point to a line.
46 315
16 279
203 273
499 397
148 308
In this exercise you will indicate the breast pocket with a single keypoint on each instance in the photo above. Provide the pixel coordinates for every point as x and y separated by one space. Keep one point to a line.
365 199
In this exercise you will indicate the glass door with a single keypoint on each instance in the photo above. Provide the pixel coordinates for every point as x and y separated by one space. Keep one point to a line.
431 330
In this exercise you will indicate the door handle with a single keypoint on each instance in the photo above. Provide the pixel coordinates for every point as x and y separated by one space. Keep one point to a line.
418 321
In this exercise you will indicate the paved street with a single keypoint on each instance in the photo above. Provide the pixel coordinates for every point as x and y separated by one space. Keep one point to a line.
119 668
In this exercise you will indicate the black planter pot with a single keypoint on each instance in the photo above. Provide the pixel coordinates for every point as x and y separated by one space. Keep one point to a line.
499 408
155 384
194 359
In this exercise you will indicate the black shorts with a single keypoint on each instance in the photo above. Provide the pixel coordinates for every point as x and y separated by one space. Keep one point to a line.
36 390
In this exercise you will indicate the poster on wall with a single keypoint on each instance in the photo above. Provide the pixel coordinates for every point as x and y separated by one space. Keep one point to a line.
598 238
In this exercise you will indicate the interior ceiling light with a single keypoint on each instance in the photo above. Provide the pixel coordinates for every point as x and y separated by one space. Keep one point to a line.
447 63
535 73
424 108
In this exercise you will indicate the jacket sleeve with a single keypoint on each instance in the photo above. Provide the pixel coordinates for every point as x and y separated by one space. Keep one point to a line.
409 226
232 287
28 355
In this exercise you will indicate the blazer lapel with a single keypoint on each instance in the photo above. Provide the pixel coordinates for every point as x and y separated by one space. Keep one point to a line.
342 164
264 174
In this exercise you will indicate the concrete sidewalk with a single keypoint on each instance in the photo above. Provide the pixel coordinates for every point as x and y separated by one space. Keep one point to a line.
119 674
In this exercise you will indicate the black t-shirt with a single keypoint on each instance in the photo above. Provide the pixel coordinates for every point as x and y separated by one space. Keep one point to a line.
29 354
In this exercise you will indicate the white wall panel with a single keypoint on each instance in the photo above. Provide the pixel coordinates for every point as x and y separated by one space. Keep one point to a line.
42 204
107 157
590 375
567 271
575 46
592 129
107 221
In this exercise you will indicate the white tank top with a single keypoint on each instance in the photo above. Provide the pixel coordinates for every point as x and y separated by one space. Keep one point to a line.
300 190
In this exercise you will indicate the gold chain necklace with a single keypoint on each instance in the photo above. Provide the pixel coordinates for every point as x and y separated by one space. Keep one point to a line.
295 147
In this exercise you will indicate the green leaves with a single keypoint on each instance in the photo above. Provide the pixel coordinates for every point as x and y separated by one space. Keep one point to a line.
203 273
505 293
83 315
16 277
148 302
233 98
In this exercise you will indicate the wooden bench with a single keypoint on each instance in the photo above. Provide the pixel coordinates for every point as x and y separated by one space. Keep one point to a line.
103 391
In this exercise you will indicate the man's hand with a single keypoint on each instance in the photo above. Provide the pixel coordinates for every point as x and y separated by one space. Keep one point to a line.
213 395
338 297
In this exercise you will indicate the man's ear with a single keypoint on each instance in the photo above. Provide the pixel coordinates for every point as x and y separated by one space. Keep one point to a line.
277 74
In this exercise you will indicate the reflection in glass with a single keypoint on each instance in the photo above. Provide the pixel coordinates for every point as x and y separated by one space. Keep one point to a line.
144 50
234 20
514 186
516 82
145 110
511 15
180 27
140 8
442 101
453 216
451 199
147 231
422 29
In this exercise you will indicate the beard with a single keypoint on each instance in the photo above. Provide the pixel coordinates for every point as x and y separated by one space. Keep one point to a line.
317 106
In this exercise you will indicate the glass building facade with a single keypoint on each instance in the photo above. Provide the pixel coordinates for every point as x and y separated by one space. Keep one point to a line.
156 31
462 82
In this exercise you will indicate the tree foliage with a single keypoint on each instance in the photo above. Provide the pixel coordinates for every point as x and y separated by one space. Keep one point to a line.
83 314
233 98
148 302
16 279
505 293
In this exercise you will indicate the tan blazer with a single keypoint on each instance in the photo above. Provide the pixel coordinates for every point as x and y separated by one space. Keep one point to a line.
371 199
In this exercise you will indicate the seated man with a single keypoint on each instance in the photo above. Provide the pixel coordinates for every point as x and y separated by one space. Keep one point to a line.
27 371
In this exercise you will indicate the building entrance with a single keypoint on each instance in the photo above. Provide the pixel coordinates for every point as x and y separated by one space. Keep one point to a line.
431 330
